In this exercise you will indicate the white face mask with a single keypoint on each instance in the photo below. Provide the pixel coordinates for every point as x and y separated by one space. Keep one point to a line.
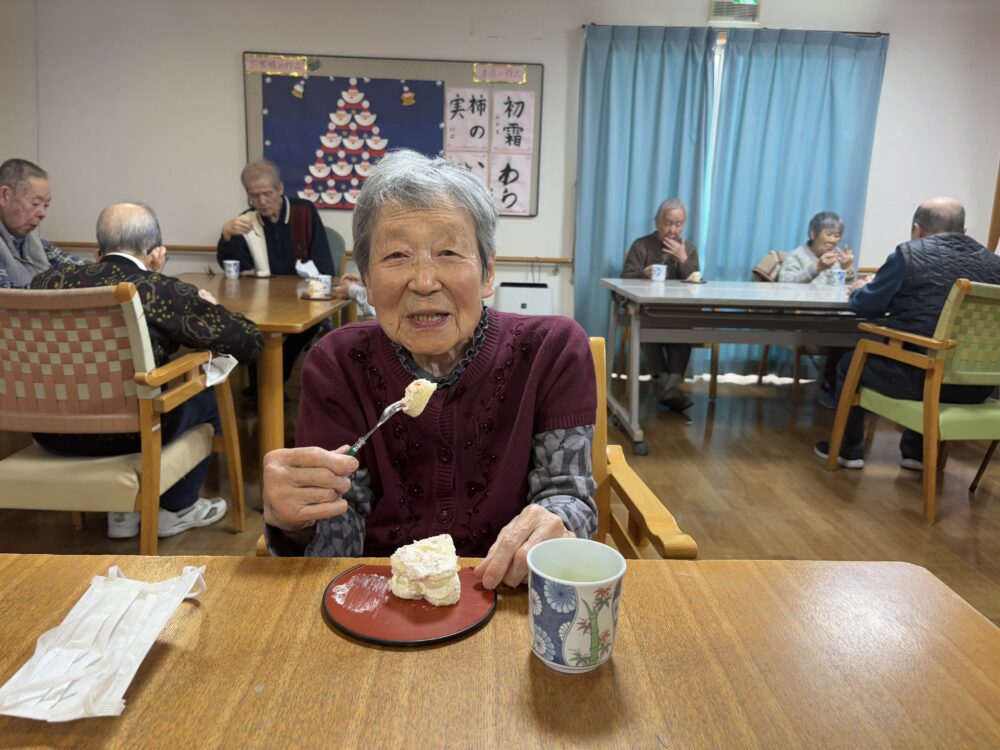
217 369
83 666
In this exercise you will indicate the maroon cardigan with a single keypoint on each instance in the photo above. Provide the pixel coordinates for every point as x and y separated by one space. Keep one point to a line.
460 467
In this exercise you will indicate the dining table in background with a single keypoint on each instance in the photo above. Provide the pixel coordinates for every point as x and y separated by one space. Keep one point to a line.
275 304
708 654
718 312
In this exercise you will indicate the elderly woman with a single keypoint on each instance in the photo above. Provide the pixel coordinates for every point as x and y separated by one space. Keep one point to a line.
819 260
500 457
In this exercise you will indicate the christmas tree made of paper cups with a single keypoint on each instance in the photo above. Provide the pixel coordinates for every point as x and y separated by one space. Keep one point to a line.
348 150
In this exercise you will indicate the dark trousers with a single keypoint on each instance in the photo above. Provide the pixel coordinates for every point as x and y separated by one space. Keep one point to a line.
896 380
677 357
833 356
201 408
291 348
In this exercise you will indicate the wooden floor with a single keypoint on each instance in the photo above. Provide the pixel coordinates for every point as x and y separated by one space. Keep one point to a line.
741 478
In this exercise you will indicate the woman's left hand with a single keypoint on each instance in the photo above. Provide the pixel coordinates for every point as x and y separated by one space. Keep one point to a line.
507 560
846 258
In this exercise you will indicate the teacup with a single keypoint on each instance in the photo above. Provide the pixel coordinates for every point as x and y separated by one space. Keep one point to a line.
658 272
231 268
574 590
320 286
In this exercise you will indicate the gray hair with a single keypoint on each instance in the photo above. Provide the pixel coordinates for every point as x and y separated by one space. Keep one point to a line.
935 218
416 182
262 168
669 205
15 172
128 227
825 221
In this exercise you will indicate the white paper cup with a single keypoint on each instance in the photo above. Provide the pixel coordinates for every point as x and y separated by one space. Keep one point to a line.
658 272
574 590
231 268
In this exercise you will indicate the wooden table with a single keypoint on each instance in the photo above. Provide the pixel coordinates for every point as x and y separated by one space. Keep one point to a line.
713 654
275 305
721 312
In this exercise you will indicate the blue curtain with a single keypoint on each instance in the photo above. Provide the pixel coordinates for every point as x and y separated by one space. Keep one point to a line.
643 137
794 137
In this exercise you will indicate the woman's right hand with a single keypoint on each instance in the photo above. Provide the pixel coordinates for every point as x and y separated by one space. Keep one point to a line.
304 485
826 260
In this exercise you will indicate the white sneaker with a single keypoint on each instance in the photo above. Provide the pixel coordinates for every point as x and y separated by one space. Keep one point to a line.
123 525
203 512
912 464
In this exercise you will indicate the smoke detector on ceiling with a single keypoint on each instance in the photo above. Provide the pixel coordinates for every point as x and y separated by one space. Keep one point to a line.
734 13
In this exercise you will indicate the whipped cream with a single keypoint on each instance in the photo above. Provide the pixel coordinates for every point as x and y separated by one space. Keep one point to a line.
427 569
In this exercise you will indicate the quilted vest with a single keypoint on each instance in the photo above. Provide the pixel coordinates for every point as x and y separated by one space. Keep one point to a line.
933 264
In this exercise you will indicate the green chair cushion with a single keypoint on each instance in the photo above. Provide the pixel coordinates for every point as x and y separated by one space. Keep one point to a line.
956 422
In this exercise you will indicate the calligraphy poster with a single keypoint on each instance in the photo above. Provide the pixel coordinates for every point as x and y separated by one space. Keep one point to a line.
476 162
510 182
513 121
467 119
492 133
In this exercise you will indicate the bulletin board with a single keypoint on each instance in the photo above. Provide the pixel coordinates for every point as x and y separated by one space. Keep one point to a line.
326 121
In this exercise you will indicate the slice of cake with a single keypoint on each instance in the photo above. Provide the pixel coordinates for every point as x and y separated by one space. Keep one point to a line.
417 394
427 569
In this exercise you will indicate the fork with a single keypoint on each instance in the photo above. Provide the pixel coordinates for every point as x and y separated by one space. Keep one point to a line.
386 413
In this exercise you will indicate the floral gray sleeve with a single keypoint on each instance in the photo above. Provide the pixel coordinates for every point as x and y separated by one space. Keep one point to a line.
562 478
342 536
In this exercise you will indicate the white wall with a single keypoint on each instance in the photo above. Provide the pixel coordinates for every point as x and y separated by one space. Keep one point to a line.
103 99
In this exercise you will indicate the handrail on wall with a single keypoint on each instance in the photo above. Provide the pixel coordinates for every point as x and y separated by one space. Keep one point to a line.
510 259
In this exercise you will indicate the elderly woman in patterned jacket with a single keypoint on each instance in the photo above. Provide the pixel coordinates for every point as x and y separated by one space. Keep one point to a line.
500 457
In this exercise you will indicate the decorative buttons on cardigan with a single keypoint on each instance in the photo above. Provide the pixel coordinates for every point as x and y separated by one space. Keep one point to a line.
444 455
445 517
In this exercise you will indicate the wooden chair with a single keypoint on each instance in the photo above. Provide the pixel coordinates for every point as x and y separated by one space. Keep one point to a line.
648 520
648 523
80 361
766 271
965 350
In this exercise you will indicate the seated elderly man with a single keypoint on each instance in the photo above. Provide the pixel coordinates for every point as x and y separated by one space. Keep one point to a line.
276 235
665 246
130 249
910 290
500 457
24 203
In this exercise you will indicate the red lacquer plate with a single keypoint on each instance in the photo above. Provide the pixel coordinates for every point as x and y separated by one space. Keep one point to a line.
320 298
358 602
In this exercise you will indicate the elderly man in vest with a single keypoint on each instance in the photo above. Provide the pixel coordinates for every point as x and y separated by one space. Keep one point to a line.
24 203
910 289
276 235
